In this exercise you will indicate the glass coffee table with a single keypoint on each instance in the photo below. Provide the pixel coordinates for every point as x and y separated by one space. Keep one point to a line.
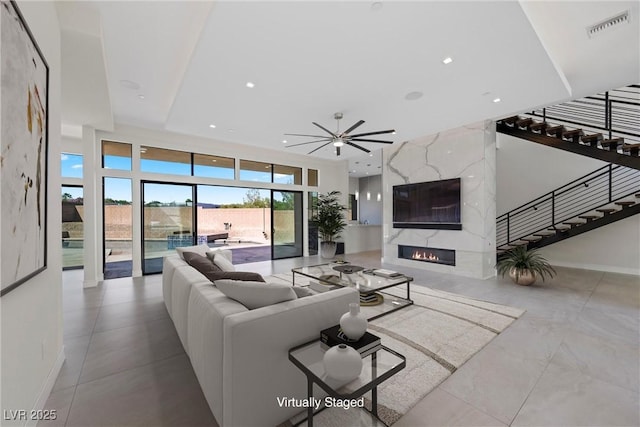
379 295
377 367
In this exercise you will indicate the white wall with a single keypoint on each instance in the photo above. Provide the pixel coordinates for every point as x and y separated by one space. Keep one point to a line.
614 247
526 170
32 351
467 153
371 210
332 175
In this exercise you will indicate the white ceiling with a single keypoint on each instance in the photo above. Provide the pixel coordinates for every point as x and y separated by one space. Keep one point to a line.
308 60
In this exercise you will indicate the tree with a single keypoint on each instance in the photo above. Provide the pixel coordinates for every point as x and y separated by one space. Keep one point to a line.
254 200
66 196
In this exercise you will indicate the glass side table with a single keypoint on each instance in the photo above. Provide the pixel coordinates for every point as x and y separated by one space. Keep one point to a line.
377 367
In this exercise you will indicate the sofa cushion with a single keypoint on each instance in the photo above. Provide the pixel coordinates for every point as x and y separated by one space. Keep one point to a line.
199 249
255 294
302 292
223 262
236 275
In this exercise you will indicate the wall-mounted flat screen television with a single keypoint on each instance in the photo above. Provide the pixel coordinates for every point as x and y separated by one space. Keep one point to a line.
433 204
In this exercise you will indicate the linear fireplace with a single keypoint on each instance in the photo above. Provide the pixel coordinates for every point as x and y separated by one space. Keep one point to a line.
433 255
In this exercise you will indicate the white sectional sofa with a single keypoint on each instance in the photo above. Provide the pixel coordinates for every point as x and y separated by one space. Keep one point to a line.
240 356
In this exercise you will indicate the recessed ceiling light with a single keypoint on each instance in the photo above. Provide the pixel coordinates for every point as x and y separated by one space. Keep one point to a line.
447 60
284 141
141 96
212 126
393 133
412 96
353 171
250 85
129 84
370 155
497 100
376 5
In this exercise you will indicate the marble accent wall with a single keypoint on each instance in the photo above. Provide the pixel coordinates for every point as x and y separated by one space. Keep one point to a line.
468 153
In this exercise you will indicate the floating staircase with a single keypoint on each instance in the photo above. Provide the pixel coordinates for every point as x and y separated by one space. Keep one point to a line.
606 195
604 126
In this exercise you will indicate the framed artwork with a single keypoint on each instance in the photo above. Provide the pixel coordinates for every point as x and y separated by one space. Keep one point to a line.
24 141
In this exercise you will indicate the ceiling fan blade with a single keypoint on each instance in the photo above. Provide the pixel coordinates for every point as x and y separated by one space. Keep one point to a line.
322 146
370 140
302 134
309 142
357 146
325 129
360 122
380 132
338 151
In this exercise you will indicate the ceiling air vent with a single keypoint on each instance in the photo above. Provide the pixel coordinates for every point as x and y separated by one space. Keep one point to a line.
608 24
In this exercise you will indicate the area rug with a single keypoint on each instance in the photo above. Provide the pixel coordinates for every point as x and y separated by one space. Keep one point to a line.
437 335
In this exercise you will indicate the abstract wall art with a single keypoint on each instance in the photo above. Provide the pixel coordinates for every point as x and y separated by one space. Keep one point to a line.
24 140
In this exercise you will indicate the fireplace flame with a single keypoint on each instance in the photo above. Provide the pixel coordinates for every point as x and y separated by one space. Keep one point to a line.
423 255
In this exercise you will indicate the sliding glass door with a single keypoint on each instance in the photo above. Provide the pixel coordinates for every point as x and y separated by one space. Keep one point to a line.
118 232
286 224
72 227
167 222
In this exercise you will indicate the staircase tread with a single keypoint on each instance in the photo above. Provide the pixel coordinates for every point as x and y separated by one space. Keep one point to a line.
606 210
573 132
625 203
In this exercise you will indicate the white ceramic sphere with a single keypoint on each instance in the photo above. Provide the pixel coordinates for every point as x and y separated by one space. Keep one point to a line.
342 362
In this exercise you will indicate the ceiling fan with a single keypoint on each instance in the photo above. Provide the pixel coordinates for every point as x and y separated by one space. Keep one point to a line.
339 139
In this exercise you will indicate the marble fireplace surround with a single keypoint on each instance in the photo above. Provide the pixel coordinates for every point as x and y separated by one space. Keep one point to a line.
468 153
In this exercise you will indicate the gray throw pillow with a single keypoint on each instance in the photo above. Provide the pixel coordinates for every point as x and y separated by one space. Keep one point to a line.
223 262
236 275
202 264
255 294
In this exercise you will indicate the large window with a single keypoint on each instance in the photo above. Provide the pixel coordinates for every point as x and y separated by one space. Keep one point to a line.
213 166
118 232
71 165
116 155
161 160
255 171
312 177
72 227
287 175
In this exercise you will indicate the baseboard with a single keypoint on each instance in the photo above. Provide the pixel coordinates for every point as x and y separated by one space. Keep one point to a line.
47 387
598 267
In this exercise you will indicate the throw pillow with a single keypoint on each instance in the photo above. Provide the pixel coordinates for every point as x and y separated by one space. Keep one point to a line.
222 262
302 292
199 249
202 264
236 275
255 294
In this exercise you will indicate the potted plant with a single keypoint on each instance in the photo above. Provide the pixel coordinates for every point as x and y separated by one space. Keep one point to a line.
524 266
330 222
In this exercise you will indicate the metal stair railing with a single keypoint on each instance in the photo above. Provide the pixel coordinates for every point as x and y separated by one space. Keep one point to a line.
595 190
615 114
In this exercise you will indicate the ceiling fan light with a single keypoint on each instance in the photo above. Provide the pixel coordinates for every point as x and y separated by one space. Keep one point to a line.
338 142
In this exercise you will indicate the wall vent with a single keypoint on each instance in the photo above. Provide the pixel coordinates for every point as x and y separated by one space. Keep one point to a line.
608 24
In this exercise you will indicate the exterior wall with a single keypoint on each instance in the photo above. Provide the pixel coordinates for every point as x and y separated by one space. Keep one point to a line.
467 153
31 315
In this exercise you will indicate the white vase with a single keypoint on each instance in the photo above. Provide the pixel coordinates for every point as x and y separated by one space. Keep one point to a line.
353 323
342 362
328 249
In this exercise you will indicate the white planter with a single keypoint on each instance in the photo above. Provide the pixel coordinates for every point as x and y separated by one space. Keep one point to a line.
328 249
342 362
353 323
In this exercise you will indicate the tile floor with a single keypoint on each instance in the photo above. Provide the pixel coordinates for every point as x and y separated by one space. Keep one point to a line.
571 360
